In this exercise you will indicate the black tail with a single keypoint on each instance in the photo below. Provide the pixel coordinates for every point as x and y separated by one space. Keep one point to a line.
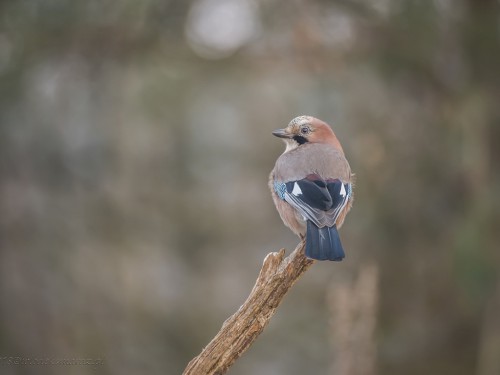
323 243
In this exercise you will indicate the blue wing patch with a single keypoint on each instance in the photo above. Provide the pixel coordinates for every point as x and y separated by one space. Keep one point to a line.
280 189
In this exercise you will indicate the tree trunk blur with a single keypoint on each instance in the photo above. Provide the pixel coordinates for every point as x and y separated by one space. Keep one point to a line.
353 319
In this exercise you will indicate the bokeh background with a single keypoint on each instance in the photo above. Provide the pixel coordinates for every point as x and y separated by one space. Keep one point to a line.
135 145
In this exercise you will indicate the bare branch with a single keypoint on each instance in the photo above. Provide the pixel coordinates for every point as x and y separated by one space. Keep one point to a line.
276 277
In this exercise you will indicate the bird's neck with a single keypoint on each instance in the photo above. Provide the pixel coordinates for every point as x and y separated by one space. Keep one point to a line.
290 145
333 141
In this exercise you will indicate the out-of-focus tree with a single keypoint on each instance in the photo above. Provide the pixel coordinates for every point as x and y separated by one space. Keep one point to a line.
134 152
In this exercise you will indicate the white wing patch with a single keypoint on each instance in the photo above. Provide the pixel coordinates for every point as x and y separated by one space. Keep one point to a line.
317 216
296 189
342 191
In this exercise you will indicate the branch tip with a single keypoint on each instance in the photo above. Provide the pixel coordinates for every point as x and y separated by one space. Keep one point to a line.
241 329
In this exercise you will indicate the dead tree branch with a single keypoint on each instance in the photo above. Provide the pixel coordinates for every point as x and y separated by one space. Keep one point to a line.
276 277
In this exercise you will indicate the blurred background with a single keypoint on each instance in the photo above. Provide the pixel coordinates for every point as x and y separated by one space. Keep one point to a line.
135 147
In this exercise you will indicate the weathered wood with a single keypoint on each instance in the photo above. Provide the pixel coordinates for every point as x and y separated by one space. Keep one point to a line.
238 332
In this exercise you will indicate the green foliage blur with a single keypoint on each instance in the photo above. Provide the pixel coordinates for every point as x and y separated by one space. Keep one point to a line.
135 147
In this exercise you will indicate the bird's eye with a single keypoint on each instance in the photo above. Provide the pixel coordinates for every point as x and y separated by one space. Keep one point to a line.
304 130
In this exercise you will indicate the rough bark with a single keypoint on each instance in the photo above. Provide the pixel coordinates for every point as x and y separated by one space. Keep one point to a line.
239 331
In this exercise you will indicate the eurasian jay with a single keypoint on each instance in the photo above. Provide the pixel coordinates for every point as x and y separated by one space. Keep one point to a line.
311 185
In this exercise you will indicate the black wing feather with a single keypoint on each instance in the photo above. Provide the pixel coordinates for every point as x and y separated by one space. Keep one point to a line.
315 195
318 200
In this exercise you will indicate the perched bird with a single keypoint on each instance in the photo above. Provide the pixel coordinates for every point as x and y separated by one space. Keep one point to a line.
311 185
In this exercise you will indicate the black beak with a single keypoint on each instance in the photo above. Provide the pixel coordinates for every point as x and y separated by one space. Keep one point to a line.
281 133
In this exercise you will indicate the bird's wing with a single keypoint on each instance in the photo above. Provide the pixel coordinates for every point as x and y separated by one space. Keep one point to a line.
316 199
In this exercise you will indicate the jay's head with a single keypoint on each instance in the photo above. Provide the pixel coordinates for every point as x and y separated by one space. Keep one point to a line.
305 130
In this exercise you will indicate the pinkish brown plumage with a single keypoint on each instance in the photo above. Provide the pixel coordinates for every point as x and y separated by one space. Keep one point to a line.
311 185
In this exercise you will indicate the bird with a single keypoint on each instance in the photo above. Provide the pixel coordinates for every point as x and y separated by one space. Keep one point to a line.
312 186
